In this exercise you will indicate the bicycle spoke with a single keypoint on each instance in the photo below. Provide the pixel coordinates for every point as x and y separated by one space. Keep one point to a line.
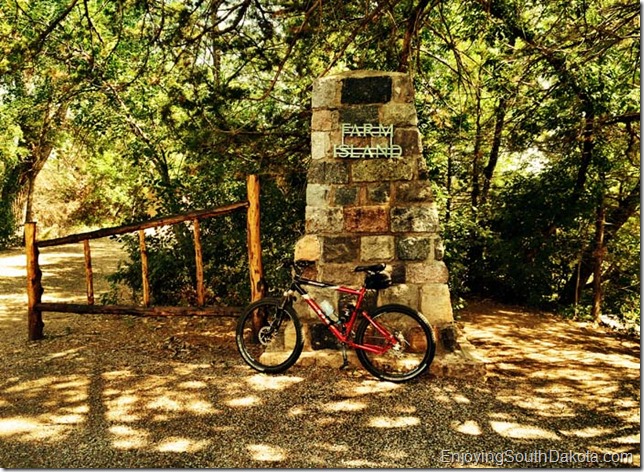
408 356
269 338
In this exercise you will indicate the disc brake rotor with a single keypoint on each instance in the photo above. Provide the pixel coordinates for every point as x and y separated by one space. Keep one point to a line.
265 335
399 348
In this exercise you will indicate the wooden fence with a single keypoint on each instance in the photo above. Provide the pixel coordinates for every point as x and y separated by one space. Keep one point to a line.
34 275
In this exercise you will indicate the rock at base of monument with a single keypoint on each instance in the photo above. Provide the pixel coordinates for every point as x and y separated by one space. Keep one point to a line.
458 365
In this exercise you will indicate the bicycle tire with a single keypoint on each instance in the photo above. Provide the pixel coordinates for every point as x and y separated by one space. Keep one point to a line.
269 337
417 346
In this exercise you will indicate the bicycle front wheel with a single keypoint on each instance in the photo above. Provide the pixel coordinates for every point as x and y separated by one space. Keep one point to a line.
269 337
414 348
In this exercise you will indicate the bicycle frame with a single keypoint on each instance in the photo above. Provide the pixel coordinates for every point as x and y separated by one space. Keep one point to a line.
344 333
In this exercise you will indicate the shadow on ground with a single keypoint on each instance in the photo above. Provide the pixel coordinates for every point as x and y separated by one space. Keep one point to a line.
126 392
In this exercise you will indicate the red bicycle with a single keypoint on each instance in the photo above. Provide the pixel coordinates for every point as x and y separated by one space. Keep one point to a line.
393 342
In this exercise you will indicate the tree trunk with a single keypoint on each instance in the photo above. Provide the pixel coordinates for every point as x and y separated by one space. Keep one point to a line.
29 204
411 32
616 218
600 249
476 162
488 172
448 184
18 206
18 187
17 196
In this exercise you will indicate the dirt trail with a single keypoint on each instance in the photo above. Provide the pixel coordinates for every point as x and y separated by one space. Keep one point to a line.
563 366
63 277
132 392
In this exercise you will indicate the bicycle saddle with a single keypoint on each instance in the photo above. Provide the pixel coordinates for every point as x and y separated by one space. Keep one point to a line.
371 268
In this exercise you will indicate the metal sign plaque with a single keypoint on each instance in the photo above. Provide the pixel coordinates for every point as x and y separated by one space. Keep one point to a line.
388 150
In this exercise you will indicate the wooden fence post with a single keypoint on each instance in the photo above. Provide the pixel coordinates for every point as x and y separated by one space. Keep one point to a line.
144 269
34 286
89 277
255 267
201 293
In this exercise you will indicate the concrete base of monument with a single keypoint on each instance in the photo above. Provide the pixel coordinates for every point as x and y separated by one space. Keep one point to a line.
455 356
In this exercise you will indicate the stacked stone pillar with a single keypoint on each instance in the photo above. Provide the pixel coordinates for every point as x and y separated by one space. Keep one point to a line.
368 196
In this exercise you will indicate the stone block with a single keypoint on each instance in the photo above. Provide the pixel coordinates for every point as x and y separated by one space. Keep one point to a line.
413 248
357 141
325 120
432 272
369 302
324 220
409 139
346 195
360 114
399 274
382 141
454 365
382 170
417 340
321 172
317 195
363 90
310 272
318 294
342 274
398 114
439 249
340 249
320 145
379 193
373 219
402 89
435 304
290 339
326 93
377 248
414 192
336 172
404 294
308 248
419 219
315 174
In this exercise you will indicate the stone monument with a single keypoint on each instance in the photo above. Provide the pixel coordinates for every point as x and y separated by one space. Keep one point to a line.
369 199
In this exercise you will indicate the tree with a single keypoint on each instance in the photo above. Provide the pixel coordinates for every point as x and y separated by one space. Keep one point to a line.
35 96
529 113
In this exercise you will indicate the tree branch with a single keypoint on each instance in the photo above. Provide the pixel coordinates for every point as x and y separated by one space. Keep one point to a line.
37 45
410 33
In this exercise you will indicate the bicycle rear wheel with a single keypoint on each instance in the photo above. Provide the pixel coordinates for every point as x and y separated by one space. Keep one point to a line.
413 352
269 337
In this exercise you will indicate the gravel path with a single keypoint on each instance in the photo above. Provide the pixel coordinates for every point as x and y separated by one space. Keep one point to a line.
126 392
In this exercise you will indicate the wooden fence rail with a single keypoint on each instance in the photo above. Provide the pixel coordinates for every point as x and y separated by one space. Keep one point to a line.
34 275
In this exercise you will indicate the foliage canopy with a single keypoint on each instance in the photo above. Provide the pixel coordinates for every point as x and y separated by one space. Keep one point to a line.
529 113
